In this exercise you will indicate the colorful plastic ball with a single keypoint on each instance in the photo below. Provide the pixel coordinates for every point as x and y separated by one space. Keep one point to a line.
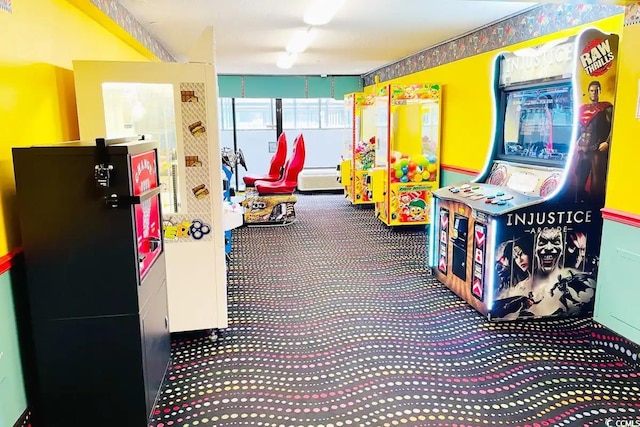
417 178
432 159
404 179
404 162
410 175
432 177
425 176
393 159
404 156
412 166
399 173
432 167
405 169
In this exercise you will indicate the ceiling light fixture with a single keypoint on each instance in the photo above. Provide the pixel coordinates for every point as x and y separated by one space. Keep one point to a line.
322 11
285 61
301 40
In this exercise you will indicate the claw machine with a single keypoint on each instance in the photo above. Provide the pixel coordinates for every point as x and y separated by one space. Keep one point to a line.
360 147
176 104
407 160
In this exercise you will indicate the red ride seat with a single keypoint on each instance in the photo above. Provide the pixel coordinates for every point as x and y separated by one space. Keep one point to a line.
277 161
287 184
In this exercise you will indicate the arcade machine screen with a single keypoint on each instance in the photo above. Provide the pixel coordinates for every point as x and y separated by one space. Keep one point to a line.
537 132
538 123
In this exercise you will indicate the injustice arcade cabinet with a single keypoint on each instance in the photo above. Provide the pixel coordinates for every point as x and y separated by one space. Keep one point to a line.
90 218
522 240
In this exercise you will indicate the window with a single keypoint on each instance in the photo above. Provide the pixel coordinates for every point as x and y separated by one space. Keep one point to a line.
332 114
301 113
255 113
225 114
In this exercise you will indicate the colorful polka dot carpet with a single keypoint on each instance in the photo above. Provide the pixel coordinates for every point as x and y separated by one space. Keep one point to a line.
334 321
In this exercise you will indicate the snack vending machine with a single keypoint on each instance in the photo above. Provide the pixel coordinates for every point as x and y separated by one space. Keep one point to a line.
177 105
90 217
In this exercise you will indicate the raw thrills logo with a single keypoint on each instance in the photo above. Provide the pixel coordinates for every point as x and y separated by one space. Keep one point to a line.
597 57
548 218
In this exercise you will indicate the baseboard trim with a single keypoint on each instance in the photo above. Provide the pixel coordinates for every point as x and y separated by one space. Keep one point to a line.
457 169
621 217
6 261
24 420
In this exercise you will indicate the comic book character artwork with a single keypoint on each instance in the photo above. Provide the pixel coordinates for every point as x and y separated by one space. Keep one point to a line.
513 307
595 121
570 289
546 273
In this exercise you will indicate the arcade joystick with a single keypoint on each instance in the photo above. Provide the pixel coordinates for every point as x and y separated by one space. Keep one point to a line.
475 187
491 196
455 190
464 186
501 202
507 197
488 201
500 194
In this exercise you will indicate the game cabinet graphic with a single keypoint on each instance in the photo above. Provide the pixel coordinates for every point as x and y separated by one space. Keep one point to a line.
144 171
546 264
409 203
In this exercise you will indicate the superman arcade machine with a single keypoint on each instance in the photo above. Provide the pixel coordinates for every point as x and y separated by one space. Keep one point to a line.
90 216
522 240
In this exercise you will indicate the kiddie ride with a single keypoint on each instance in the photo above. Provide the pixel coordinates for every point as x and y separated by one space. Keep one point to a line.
269 199
231 211
522 240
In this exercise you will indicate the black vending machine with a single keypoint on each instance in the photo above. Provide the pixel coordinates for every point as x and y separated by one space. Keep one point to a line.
90 216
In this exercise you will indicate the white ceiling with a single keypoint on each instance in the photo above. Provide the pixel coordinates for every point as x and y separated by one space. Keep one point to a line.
364 35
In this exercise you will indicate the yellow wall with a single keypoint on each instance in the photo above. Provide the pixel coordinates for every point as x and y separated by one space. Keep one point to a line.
467 114
37 97
625 141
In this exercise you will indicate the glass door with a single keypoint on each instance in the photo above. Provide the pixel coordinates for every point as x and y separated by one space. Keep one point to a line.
147 108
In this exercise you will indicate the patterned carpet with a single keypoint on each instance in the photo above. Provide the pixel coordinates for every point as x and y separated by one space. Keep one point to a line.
335 322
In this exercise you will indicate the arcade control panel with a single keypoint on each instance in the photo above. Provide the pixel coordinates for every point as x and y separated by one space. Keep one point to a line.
487 198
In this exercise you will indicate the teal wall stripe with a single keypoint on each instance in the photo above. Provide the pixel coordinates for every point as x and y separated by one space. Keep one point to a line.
230 86
346 84
273 87
452 178
13 399
235 86
320 87
618 293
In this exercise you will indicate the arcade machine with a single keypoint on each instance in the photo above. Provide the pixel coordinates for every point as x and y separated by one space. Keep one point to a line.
90 218
408 153
522 239
176 104
271 201
231 211
360 147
